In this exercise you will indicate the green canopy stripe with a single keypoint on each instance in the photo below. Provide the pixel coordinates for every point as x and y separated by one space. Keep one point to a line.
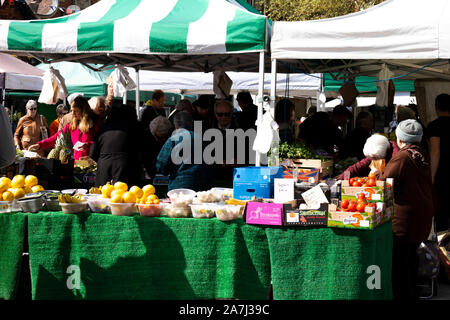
99 35
170 33
249 25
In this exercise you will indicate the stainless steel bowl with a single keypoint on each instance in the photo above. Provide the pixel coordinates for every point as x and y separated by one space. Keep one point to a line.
31 205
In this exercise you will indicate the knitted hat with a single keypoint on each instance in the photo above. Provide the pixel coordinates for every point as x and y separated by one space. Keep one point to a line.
73 96
404 113
409 131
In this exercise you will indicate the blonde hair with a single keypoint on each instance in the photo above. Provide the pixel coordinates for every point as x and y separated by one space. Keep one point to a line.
86 123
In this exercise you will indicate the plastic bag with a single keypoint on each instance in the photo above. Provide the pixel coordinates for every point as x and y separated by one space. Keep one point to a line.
54 87
121 81
266 134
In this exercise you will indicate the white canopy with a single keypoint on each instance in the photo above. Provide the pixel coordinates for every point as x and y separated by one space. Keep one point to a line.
395 29
19 75
299 85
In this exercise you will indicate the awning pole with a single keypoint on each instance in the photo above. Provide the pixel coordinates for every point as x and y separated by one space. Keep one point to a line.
273 87
138 95
260 101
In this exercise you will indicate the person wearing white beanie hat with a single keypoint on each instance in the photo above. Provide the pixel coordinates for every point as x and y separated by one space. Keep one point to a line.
409 131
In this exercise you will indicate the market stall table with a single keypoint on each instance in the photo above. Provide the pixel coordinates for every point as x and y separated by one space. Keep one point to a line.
146 258
331 263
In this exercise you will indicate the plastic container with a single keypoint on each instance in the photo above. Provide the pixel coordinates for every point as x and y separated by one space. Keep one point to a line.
31 205
52 204
99 204
222 194
73 207
123 209
5 206
228 212
204 210
173 211
77 191
207 197
150 210
181 197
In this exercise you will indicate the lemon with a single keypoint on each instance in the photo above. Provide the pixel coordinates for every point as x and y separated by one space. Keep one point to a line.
28 189
116 199
3 186
117 193
106 190
1 197
137 191
151 198
18 181
31 181
148 190
7 180
7 196
37 188
121 186
129 197
18 193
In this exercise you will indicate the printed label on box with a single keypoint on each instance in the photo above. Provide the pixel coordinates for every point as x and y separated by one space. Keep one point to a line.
364 223
264 213
376 197
350 220
292 217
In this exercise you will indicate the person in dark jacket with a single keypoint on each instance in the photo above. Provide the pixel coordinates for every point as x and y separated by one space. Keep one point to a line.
156 109
355 140
377 147
116 146
413 206
247 117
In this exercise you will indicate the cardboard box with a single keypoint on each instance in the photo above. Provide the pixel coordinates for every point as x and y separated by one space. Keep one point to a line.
325 167
311 175
306 218
368 220
382 192
258 182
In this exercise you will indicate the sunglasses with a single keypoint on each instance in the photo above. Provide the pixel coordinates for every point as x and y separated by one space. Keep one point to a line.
223 114
32 109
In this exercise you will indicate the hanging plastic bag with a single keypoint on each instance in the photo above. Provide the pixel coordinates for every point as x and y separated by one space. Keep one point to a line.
266 134
54 87
121 81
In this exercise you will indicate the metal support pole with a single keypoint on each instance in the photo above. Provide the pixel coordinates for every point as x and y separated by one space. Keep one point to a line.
260 101
138 95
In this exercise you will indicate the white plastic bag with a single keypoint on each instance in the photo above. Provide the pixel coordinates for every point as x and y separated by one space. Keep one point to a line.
266 133
54 87
122 81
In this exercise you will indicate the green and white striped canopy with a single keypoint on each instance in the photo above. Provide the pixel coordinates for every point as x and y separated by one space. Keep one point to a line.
159 27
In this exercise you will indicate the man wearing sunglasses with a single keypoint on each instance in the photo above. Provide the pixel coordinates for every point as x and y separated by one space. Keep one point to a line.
223 110
31 128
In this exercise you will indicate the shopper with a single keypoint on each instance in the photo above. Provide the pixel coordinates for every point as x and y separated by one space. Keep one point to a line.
413 206
246 118
439 133
7 149
355 140
82 129
156 109
286 120
61 111
180 165
31 128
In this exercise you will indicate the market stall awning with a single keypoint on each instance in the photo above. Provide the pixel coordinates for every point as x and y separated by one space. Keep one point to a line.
188 34
19 75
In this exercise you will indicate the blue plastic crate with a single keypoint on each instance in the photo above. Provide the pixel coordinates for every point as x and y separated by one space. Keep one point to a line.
256 182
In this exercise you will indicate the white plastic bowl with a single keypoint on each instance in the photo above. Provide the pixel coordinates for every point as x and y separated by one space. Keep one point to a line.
203 210
5 206
228 212
222 194
150 210
73 207
123 209
181 197
173 211
98 204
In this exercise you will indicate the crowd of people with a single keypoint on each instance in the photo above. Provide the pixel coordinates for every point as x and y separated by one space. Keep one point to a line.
124 146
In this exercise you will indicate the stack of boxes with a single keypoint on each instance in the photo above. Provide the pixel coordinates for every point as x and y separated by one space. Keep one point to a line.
381 196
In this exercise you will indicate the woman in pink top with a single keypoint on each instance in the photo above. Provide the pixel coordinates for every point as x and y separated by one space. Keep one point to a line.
82 129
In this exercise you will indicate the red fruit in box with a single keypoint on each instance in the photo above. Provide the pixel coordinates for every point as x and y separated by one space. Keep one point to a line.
372 182
361 207
371 175
352 207
361 196
357 184
351 181
344 203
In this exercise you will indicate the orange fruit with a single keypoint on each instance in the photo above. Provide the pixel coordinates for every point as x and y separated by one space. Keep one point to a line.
117 193
7 196
31 181
150 198
156 201
107 190
18 193
116 199
18 181
121 186
28 189
37 188
148 190
129 197
138 192
7 181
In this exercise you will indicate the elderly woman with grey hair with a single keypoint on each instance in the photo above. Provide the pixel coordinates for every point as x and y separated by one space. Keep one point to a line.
31 128
160 130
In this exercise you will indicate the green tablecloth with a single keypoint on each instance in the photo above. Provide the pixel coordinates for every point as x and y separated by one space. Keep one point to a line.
330 263
146 258
12 231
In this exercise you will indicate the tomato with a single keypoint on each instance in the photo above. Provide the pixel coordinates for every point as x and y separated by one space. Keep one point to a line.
361 207
357 184
361 196
371 175
344 203
352 207
362 180
351 181
372 182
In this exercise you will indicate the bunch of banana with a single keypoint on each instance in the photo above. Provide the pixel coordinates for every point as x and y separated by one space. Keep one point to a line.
65 198
95 190
235 201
